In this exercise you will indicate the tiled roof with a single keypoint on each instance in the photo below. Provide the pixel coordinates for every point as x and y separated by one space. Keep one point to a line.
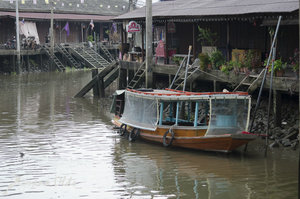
97 7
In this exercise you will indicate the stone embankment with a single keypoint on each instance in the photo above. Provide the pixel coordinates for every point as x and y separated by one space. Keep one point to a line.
284 135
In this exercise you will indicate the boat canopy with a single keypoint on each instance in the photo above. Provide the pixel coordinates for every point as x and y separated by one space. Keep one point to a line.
140 112
228 116
227 110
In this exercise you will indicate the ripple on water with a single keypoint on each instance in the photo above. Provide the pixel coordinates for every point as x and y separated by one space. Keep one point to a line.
71 153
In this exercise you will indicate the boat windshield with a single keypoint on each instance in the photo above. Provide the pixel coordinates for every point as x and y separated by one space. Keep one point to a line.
140 112
228 116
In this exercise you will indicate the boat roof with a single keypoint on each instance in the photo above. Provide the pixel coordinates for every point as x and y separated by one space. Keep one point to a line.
176 95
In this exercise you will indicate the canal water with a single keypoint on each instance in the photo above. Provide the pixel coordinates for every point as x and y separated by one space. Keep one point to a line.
55 146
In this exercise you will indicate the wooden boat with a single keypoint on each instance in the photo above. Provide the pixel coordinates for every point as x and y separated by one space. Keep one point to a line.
216 121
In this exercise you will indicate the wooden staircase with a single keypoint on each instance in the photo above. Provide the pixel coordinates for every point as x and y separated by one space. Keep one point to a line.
138 76
60 48
89 56
53 57
109 57
111 76
181 77
251 82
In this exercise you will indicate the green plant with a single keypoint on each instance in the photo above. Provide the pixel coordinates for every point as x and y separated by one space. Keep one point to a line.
204 60
90 38
278 65
226 68
177 60
295 67
206 37
217 59
235 65
251 59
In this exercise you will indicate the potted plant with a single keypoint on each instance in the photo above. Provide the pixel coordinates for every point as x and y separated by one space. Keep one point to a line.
279 67
177 60
217 59
227 67
207 39
204 61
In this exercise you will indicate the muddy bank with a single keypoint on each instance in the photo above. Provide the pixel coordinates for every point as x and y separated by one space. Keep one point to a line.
283 133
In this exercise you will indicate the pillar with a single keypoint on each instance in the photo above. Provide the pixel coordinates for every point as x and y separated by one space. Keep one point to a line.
95 87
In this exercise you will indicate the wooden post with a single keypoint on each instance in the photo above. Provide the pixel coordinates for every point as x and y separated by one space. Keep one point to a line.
194 41
101 38
149 54
14 63
166 61
120 78
101 87
19 70
228 42
27 62
95 87
277 107
51 38
215 86
41 59
143 48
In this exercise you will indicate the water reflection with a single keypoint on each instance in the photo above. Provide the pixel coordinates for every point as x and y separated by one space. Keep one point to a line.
72 151
153 170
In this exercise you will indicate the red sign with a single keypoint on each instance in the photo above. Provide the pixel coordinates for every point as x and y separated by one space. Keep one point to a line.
133 27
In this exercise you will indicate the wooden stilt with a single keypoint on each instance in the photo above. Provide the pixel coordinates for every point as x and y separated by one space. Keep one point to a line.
101 87
96 86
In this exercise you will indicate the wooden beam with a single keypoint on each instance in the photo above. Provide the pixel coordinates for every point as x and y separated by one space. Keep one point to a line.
95 87
95 80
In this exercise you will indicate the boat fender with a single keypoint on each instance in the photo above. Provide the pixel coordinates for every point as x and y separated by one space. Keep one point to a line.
123 129
165 138
133 134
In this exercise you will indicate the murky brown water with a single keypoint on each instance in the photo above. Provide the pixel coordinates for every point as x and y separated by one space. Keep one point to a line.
71 151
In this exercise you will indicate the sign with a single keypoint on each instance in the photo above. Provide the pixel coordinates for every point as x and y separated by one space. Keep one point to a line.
133 27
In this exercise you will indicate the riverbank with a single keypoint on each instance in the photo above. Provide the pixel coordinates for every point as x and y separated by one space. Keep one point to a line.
285 132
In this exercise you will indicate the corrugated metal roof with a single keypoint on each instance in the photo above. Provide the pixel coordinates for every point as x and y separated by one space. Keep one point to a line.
204 8
77 17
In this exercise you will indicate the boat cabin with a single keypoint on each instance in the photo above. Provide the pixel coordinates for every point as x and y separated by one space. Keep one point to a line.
215 113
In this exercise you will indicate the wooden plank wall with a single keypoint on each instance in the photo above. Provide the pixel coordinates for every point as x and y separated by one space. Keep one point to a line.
243 35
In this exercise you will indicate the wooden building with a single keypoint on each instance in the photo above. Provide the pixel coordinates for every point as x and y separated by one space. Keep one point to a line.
80 15
238 25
